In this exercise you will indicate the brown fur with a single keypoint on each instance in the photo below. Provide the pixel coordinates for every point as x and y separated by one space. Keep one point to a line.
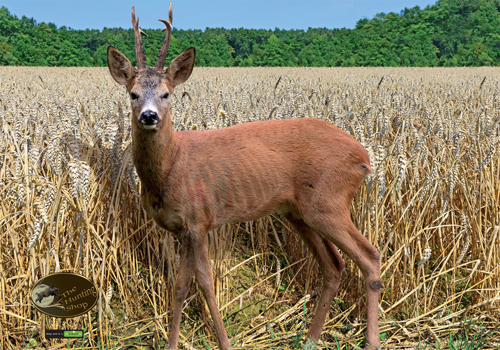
195 181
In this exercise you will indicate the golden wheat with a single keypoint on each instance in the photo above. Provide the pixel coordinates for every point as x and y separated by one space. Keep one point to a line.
70 203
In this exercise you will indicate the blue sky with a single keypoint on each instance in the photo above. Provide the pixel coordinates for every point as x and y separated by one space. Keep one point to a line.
199 14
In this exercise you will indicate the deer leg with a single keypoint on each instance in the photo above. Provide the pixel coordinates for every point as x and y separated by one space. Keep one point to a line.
340 230
331 266
330 287
204 278
181 288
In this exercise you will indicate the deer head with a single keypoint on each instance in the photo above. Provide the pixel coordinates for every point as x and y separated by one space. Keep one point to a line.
150 88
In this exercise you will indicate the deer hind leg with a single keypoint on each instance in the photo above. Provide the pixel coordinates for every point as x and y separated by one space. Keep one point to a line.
336 226
331 266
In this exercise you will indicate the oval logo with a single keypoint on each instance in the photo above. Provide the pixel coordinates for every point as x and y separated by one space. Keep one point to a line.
64 294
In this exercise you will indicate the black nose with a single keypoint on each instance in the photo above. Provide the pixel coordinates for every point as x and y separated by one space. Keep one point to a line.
149 118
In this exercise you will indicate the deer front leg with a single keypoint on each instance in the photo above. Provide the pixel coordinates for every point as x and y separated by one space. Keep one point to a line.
204 278
182 282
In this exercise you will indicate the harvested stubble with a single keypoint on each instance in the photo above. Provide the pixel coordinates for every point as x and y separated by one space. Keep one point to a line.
70 203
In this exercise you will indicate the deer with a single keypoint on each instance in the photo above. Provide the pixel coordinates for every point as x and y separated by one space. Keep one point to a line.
194 181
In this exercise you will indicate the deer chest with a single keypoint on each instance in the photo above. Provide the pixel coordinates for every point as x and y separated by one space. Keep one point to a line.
164 215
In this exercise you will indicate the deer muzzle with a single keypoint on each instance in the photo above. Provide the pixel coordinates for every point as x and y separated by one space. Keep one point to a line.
149 119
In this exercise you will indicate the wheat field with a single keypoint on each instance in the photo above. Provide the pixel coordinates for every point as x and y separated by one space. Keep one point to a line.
70 202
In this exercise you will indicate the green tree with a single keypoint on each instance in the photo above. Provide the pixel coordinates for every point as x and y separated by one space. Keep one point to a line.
270 53
7 58
217 53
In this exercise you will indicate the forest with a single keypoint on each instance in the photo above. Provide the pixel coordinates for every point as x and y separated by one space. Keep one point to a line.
449 33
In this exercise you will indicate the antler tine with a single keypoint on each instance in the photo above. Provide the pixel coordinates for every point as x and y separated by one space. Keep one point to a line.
139 52
160 63
170 13
167 25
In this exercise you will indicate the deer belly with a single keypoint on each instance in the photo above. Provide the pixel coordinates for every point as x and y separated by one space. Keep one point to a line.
235 202
235 188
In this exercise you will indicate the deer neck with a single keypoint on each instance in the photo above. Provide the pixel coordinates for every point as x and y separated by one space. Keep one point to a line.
154 153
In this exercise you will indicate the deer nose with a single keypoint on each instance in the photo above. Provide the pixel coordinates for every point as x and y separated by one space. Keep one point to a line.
149 117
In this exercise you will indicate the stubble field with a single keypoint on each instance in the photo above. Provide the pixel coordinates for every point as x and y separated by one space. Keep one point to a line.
70 202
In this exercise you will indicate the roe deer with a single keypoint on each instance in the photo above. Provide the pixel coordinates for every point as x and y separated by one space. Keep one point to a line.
196 181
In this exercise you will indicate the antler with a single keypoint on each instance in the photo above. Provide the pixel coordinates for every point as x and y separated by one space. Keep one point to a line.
139 52
164 47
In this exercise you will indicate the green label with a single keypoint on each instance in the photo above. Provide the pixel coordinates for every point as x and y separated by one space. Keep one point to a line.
73 334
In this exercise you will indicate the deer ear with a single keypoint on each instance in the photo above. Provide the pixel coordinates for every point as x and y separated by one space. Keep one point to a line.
181 67
120 67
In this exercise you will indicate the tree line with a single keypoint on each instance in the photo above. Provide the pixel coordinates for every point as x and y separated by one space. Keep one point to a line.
448 33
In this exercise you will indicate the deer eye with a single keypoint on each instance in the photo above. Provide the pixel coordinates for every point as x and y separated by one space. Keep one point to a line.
165 95
134 96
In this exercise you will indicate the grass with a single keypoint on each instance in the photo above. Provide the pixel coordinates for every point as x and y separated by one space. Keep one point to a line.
70 203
